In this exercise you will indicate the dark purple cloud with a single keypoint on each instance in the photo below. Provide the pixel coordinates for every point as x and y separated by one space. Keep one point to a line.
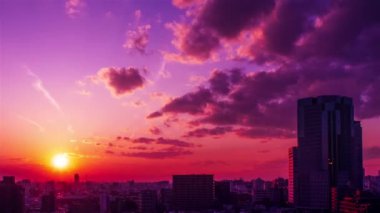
195 43
228 18
155 115
192 103
121 81
174 142
138 148
290 19
283 30
161 141
155 131
205 132
213 21
159 154
143 140
342 28
263 104
154 148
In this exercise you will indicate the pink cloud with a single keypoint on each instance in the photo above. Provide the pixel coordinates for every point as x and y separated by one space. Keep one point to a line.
74 7
121 81
137 40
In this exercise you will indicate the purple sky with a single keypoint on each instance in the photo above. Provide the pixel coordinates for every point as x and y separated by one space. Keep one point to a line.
182 86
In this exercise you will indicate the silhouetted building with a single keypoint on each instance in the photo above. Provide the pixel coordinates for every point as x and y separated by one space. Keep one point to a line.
261 191
148 201
292 174
223 192
11 196
193 192
360 202
279 192
76 178
328 157
48 203
166 198
372 183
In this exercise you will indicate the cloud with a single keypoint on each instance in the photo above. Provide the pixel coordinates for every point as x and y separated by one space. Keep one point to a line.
205 132
162 141
138 15
138 148
371 152
263 104
213 22
192 103
33 123
138 39
159 154
110 152
155 131
163 72
289 20
152 148
39 86
195 44
174 142
143 140
74 7
120 81
277 32
155 115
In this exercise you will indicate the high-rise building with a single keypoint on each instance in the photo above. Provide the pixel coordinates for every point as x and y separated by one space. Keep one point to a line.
193 192
11 196
327 163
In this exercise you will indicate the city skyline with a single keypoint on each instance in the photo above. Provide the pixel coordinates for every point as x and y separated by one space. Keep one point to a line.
141 90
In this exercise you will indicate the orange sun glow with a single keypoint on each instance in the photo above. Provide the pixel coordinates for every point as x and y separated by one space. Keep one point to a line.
60 161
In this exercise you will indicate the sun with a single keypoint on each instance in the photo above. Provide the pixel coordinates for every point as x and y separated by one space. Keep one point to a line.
60 161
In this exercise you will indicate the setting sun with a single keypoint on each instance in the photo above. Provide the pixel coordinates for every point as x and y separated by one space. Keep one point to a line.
60 161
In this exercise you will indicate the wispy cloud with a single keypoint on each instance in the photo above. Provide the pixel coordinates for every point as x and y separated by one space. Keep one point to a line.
39 86
32 122
74 7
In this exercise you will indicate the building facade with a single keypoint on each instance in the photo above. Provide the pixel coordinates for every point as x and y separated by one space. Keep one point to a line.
327 163
193 192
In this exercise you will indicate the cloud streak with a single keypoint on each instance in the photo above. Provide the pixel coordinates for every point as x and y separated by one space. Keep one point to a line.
33 123
39 86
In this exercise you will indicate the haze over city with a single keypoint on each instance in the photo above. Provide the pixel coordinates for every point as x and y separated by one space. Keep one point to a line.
141 90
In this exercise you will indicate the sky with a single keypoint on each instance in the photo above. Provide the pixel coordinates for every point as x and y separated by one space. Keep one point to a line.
143 89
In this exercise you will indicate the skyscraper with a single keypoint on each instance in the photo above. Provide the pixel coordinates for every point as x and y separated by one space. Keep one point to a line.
327 163
11 196
193 192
